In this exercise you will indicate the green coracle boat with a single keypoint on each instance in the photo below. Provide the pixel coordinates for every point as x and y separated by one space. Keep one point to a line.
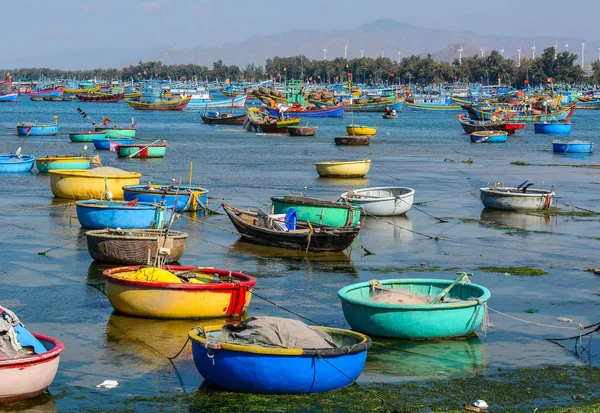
58 162
142 151
117 132
318 211
85 136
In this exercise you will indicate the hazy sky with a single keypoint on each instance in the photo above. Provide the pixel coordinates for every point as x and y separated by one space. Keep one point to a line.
45 27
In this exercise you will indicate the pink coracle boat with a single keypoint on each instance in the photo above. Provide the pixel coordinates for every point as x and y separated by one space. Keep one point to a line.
25 377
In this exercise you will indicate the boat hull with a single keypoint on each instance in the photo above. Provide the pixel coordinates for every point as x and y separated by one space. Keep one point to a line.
44 93
38 130
381 201
56 163
415 322
117 132
516 200
180 300
141 151
172 105
9 97
224 120
11 163
317 211
86 136
104 144
343 169
324 112
238 102
73 184
93 214
352 140
26 377
488 137
253 369
354 130
186 199
573 147
384 106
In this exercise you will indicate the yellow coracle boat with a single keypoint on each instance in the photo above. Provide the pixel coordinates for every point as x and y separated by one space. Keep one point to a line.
343 169
360 130
91 183
158 293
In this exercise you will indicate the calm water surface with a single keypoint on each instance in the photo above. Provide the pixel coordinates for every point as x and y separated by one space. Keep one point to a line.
59 293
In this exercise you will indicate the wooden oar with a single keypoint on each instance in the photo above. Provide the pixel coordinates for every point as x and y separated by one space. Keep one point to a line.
441 295
135 153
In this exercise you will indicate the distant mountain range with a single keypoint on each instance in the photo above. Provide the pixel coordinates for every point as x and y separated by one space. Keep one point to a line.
387 37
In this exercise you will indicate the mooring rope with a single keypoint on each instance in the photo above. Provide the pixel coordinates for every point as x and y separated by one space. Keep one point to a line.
35 208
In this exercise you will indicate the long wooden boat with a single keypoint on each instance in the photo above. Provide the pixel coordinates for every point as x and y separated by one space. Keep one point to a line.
352 140
212 118
84 90
516 199
343 169
182 198
311 112
86 136
101 97
360 130
142 151
265 123
381 201
46 92
175 104
575 146
519 117
134 246
9 97
369 311
25 377
61 162
91 183
587 102
472 125
488 136
12 163
95 214
154 293
305 237
280 369
318 211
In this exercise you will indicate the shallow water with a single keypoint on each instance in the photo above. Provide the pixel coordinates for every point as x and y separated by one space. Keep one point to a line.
59 293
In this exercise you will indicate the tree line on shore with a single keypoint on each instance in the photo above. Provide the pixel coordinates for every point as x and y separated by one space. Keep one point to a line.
488 70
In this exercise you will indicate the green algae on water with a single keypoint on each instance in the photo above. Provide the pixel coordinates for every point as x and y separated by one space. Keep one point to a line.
526 271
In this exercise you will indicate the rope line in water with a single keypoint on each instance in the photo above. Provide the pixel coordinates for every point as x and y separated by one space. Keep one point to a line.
62 245
35 208
402 228
443 199
535 322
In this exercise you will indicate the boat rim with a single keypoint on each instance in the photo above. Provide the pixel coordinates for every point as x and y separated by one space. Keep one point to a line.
150 189
84 174
348 194
100 204
342 162
35 358
114 234
532 192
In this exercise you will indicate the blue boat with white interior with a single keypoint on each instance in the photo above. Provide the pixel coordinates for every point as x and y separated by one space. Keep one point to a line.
573 146
11 163
96 214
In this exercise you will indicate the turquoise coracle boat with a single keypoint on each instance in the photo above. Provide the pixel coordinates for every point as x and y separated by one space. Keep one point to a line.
388 308
318 211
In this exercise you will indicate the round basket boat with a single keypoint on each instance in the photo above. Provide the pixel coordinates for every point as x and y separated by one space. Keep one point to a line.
91 183
132 247
415 321
276 370
25 377
343 169
223 293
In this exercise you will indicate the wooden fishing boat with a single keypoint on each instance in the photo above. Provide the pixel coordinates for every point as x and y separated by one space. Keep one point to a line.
91 183
488 136
25 377
104 144
134 246
12 163
265 123
95 214
117 131
471 125
343 169
82 90
575 146
280 368
33 129
238 102
183 198
142 151
101 97
215 118
378 105
208 292
302 130
43 93
59 162
311 112
353 140
381 201
317 211
9 97
36 99
86 136
388 308
553 128
305 237
587 102
360 130
518 198
519 117
173 104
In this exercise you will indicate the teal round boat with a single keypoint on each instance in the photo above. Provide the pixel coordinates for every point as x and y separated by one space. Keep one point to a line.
117 132
318 211
60 162
85 136
460 316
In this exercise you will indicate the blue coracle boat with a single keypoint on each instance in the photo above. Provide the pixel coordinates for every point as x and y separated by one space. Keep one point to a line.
95 214
459 317
103 143
553 128
276 370
573 146
33 129
10 163
188 198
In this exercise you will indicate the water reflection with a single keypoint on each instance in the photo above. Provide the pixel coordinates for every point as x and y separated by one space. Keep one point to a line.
44 403
514 219
398 227
407 360
243 247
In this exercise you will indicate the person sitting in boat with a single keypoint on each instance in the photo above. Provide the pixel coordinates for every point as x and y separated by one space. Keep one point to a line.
394 113
387 110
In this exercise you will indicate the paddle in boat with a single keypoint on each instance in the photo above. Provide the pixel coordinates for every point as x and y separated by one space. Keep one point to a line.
86 136
135 246
518 198
285 231
184 198
92 183
98 214
28 361
343 169
60 162
381 201
415 309
178 292
575 146
488 136
15 162
153 150
33 129
317 211
273 355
